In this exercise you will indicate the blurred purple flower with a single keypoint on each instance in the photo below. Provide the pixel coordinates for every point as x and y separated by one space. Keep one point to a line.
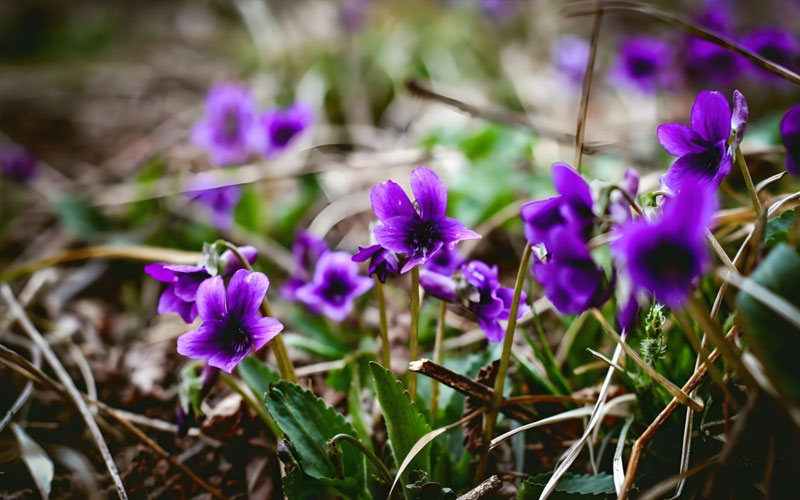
277 128
184 281
220 201
417 233
232 324
441 286
572 207
335 286
382 263
571 280
352 14
645 64
619 209
570 55
777 45
445 261
226 129
703 150
790 133
18 164
664 256
708 61
499 10
306 252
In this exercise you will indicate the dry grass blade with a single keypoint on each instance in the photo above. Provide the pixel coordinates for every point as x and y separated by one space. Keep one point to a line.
616 463
36 460
69 385
586 88
588 8
778 304
673 389
769 180
424 440
24 395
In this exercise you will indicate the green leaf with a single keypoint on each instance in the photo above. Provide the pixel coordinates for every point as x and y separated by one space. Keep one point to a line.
777 230
570 487
81 218
257 375
308 423
774 340
404 422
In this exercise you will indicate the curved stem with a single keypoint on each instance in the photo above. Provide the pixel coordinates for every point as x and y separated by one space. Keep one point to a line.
412 376
285 366
437 358
385 348
497 395
748 181
384 471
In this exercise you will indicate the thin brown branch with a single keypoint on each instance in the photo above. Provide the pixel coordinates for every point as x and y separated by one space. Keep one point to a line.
487 487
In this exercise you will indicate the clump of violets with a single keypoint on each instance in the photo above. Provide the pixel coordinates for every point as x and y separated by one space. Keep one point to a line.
335 285
278 128
416 232
709 61
706 148
306 252
383 264
664 256
570 55
184 281
476 286
777 45
18 164
644 64
790 133
232 325
220 201
225 131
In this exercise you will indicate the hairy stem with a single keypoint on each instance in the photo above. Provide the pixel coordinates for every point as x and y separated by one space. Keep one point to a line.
412 376
505 358
385 348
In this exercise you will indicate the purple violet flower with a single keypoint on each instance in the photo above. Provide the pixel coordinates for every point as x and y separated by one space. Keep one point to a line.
446 261
707 60
571 280
645 64
19 165
777 45
232 324
790 133
278 128
226 129
417 233
184 282
703 150
664 256
572 207
382 263
619 210
220 201
335 286
570 55
306 252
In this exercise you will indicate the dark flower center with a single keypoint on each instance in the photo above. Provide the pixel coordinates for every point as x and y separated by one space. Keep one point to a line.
642 67
230 125
336 289
239 338
423 237
284 133
670 262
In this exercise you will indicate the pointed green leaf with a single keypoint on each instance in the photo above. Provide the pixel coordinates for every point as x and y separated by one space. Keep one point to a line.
404 422
570 487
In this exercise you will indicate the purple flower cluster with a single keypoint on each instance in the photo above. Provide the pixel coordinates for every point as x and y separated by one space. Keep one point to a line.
184 282
563 224
416 232
220 201
326 282
645 64
570 55
232 130
18 164
705 149
476 286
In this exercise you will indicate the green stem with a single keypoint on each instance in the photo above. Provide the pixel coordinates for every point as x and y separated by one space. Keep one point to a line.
497 395
385 348
749 182
285 366
437 358
260 409
412 376
384 471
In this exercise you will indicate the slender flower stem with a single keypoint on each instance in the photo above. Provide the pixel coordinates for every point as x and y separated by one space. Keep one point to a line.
749 182
437 358
285 366
257 407
385 351
412 376
387 476
505 358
